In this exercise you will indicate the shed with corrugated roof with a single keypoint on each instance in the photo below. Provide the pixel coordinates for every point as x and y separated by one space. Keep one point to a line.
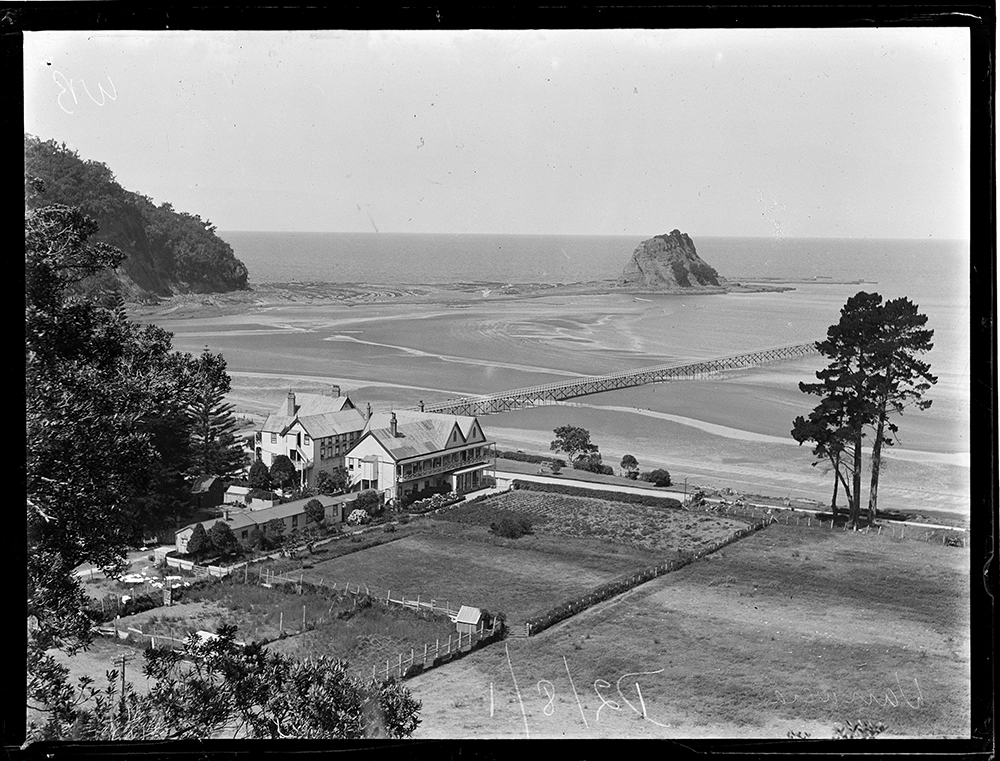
469 619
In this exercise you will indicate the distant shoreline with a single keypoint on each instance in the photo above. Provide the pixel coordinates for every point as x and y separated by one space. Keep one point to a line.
349 294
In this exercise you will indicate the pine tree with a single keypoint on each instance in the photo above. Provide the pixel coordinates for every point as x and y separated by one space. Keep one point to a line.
897 379
198 543
873 372
216 450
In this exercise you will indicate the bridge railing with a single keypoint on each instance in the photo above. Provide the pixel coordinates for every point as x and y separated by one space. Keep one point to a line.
622 379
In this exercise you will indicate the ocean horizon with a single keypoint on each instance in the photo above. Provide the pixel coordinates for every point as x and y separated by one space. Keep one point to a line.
443 258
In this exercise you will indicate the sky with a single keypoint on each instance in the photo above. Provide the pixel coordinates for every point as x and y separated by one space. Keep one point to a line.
738 132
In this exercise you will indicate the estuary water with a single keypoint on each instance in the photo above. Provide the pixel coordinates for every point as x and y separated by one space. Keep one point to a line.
732 430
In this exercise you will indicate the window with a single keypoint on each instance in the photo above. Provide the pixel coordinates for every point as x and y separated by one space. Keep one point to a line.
295 521
306 439
243 534
274 438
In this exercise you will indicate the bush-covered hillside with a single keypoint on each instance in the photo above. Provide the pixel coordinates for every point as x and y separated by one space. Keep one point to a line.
168 251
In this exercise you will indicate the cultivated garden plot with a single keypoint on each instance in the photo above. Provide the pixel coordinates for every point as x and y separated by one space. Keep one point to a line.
303 625
789 630
657 529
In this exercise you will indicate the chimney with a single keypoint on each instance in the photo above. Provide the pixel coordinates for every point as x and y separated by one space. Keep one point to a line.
421 405
392 424
225 515
335 392
290 404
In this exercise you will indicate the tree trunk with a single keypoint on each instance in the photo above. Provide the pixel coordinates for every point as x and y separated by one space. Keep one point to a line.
876 461
856 486
836 484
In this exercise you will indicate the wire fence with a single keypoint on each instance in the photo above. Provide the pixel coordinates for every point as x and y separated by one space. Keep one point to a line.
956 537
441 652
269 578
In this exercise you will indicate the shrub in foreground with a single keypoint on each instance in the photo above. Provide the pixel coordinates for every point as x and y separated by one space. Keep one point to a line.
511 527
217 686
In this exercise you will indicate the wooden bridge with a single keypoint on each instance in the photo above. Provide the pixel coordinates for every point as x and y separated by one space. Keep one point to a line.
506 401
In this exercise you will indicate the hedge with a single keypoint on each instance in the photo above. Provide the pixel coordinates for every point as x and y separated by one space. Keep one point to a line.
612 496
622 584
533 458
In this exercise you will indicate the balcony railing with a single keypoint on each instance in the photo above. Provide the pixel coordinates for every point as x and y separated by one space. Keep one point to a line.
423 472
300 461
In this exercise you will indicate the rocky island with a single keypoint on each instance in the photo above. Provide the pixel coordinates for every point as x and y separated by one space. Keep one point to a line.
669 262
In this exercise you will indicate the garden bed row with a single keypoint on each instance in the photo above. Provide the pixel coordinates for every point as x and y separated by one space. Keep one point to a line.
631 498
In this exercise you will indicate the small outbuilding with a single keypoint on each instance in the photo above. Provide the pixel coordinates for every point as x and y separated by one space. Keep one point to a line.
469 619
206 492
237 495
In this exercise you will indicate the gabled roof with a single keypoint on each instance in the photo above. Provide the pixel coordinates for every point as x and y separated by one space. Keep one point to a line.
332 423
204 484
468 615
307 406
240 519
417 433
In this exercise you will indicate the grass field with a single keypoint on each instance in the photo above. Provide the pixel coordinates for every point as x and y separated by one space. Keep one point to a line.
464 565
790 629
577 544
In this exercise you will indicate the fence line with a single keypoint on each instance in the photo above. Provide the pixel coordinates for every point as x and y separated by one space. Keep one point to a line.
898 530
268 578
615 587
440 653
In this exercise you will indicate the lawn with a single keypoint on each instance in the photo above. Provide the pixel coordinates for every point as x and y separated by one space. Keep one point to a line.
465 565
791 629
577 544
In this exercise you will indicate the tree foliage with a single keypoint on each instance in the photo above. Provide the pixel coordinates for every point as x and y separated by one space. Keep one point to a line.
101 393
630 466
282 471
333 483
658 477
217 686
573 441
259 476
199 542
167 250
592 463
222 538
369 501
315 512
872 374
216 450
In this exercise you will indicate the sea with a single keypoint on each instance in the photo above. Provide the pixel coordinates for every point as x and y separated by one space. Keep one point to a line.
916 267
933 273
736 427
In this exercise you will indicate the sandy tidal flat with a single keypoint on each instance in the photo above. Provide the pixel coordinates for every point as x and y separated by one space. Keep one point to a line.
731 430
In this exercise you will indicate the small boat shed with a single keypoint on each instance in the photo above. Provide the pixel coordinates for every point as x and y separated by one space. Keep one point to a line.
468 619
